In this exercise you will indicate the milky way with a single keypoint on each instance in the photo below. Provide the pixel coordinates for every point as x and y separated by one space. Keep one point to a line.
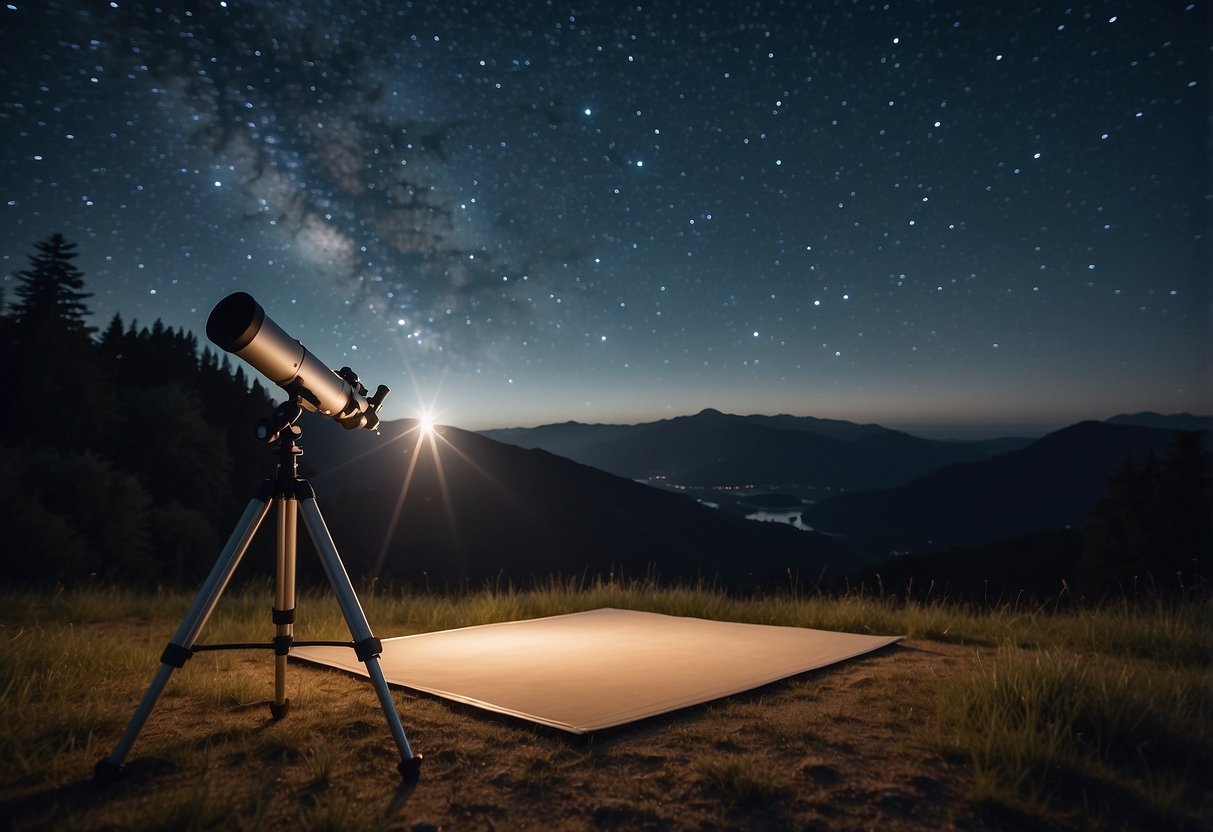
528 212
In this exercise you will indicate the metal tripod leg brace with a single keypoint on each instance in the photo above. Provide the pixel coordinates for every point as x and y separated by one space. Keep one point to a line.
288 492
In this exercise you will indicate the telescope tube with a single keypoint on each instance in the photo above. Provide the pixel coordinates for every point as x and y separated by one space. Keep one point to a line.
239 325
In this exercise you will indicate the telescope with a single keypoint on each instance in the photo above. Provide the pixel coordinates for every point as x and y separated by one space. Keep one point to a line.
240 326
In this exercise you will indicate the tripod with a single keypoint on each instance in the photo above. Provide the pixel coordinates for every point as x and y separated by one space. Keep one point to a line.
289 493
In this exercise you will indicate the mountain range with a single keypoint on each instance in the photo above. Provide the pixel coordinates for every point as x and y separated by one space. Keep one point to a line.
483 509
712 448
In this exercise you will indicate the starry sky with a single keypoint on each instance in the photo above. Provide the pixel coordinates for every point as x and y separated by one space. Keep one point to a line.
953 217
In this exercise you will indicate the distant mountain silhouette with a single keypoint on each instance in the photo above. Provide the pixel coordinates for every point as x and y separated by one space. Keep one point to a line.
1002 445
567 439
1174 421
1053 483
833 428
498 511
714 448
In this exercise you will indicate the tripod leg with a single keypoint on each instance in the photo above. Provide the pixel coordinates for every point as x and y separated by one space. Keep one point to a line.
284 600
179 648
366 645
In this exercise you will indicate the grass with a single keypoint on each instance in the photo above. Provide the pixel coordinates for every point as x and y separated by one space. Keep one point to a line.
1083 733
1072 717
742 783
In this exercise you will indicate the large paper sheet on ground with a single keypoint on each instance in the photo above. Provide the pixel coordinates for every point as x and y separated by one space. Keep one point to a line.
592 670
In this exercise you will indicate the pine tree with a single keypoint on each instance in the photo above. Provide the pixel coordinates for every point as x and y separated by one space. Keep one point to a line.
1116 541
1183 508
111 338
49 294
7 353
51 356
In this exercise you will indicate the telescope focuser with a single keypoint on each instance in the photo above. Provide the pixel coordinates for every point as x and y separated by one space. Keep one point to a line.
368 418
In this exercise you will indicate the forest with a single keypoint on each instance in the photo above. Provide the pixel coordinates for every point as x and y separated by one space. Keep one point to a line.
119 462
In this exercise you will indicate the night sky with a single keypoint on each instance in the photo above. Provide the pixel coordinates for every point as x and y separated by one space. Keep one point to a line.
918 214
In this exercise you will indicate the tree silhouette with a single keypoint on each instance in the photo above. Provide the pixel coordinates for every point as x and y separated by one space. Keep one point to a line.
49 354
50 296
1154 525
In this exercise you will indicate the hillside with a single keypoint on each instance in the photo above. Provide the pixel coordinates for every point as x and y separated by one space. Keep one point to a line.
1051 484
493 511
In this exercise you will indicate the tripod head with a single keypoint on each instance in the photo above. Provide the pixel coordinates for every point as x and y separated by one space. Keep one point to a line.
285 416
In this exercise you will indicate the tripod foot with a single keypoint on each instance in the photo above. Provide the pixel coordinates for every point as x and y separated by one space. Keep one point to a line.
106 772
410 769
277 711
